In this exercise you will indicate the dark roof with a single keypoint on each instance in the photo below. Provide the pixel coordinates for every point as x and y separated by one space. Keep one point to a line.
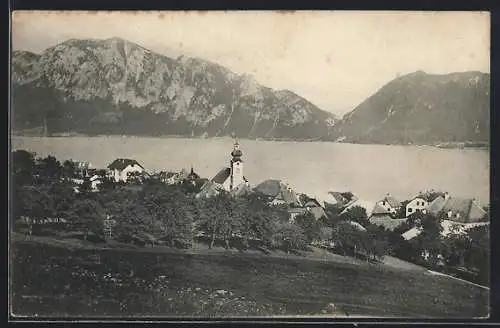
312 202
277 190
436 206
222 175
269 187
121 163
430 195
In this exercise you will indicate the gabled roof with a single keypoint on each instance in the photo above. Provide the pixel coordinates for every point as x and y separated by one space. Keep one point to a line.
392 201
312 202
458 205
379 210
469 211
222 175
121 163
275 189
270 188
430 196
436 206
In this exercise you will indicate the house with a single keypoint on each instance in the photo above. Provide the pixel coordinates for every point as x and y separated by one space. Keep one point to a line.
122 168
278 193
416 204
421 202
384 216
169 178
315 208
391 204
463 210
311 206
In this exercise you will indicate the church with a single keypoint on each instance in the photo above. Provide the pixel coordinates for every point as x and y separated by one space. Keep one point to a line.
230 179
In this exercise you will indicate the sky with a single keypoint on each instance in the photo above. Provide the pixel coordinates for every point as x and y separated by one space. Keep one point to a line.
335 59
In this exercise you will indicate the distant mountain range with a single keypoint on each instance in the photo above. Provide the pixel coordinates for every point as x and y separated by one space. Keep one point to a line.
114 86
421 108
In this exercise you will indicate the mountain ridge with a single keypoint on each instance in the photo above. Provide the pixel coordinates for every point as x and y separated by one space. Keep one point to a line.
114 86
123 85
422 108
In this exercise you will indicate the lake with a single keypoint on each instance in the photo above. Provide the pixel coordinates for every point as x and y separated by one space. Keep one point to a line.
369 171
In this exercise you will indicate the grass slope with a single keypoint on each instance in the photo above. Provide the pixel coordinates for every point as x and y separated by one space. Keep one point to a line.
54 280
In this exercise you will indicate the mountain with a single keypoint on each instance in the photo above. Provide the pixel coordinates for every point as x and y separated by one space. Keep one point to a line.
422 108
114 86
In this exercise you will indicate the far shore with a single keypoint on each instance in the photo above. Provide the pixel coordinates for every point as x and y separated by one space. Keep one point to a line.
441 145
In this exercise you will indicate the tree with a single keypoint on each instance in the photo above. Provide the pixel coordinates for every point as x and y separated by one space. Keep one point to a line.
377 243
309 225
169 207
429 241
348 238
88 215
34 204
69 169
288 237
48 167
22 167
357 214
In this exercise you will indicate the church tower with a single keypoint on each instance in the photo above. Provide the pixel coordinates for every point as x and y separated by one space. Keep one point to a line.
236 167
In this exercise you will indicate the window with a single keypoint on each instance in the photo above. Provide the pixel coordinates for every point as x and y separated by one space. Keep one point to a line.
410 210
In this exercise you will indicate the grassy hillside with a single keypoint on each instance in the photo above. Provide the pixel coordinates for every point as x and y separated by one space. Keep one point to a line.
56 281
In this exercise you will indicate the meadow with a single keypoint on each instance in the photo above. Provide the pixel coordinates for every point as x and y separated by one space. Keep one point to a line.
59 281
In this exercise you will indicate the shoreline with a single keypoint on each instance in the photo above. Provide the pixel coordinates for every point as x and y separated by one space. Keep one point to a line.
469 145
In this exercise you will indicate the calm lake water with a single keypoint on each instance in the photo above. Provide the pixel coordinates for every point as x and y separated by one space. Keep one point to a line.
370 171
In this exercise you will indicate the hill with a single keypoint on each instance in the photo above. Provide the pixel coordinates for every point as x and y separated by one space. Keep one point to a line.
93 282
422 108
114 86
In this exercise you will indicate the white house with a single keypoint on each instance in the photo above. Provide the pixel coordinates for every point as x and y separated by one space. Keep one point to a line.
416 204
389 203
121 168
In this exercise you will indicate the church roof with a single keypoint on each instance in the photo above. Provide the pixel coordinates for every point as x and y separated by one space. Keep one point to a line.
222 175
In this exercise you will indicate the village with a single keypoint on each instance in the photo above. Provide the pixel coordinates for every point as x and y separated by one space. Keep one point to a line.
337 223
461 214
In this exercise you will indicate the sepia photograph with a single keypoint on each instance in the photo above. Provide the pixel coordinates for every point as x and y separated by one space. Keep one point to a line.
249 164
